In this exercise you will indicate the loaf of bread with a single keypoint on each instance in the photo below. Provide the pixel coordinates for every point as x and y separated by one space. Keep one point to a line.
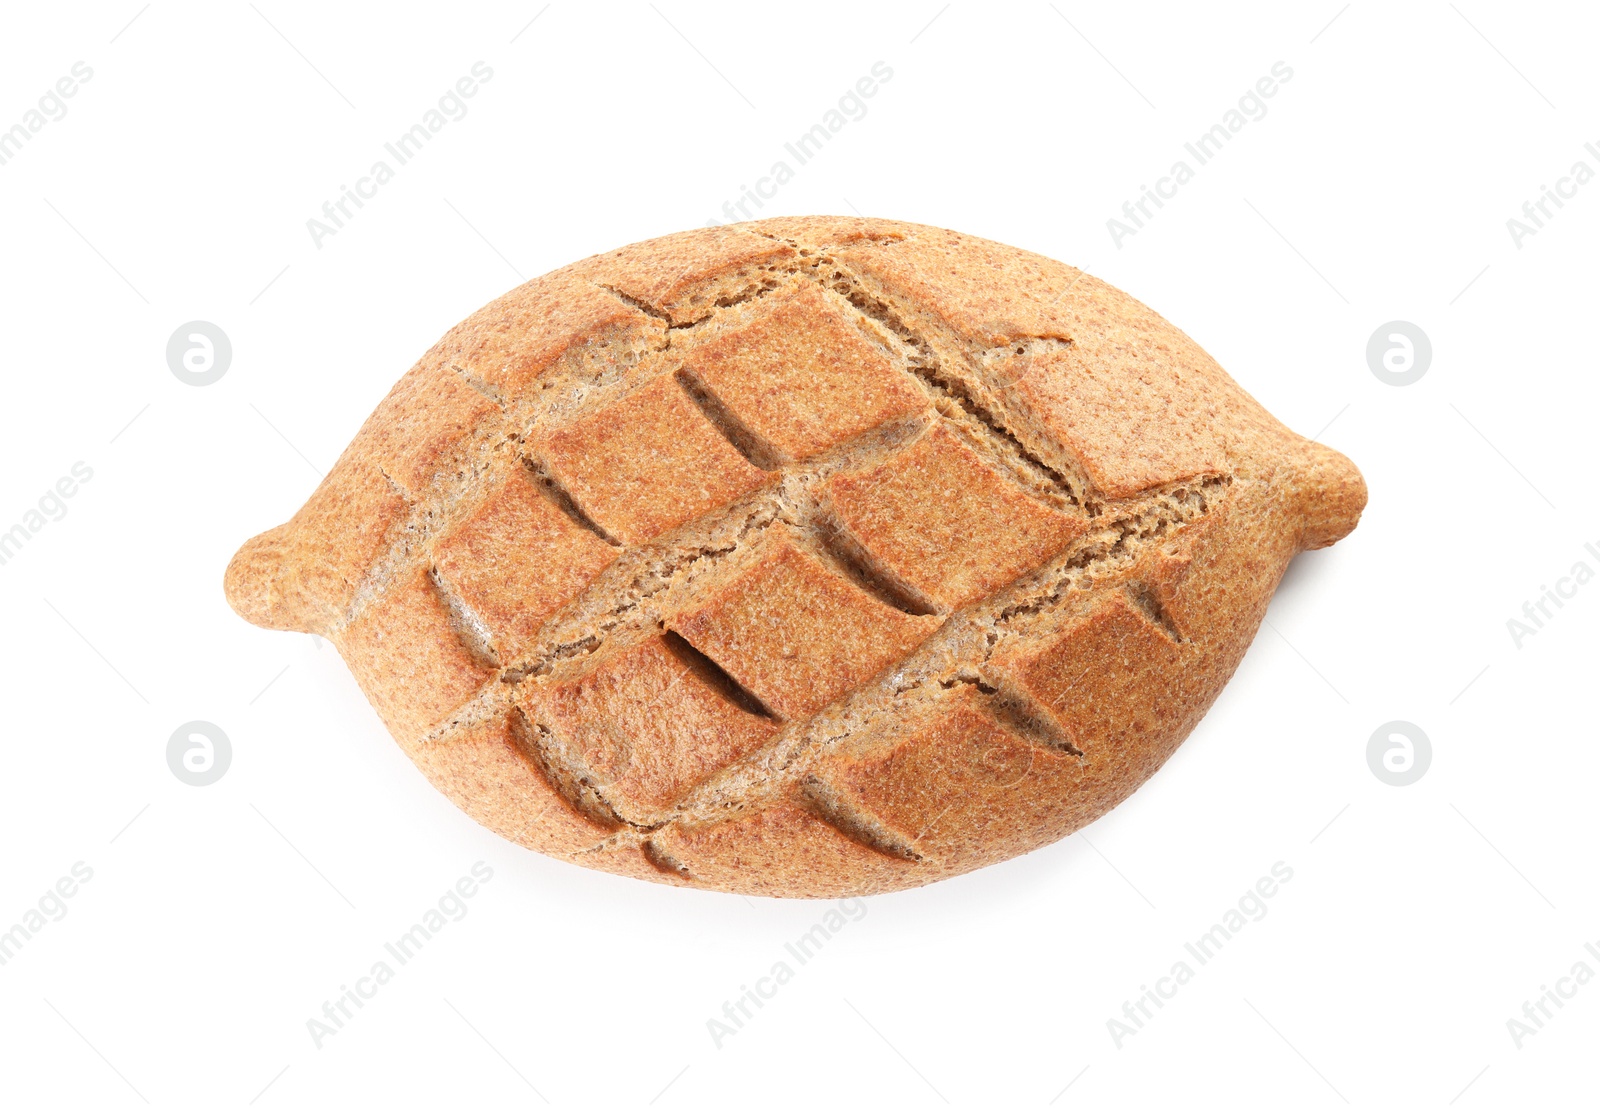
804 557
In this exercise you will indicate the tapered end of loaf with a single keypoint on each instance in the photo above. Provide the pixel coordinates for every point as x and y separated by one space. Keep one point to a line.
1331 496
254 582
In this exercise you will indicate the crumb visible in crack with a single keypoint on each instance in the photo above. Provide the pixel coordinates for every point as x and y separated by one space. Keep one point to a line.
661 860
468 625
1145 599
557 494
480 386
717 678
755 450
827 805
858 564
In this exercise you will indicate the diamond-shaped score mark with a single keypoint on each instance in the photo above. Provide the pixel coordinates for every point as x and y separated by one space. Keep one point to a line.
955 783
939 519
797 633
517 559
801 377
1128 431
1109 679
649 722
646 463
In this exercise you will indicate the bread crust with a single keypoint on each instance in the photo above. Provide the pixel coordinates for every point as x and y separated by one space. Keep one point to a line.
805 557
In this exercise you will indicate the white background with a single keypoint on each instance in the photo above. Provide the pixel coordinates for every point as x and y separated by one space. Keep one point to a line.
1419 919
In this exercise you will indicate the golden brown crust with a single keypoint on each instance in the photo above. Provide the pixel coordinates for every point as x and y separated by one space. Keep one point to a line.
797 633
939 518
684 276
516 559
959 788
302 576
488 773
428 412
408 658
648 724
808 557
986 292
510 343
802 378
766 850
648 462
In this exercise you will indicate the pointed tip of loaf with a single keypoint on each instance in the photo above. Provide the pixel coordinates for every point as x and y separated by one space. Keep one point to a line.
253 583
1332 497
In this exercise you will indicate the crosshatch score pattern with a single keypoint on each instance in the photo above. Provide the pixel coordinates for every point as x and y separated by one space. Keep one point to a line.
805 557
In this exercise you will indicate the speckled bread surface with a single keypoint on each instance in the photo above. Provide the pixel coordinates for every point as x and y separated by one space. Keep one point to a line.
804 557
